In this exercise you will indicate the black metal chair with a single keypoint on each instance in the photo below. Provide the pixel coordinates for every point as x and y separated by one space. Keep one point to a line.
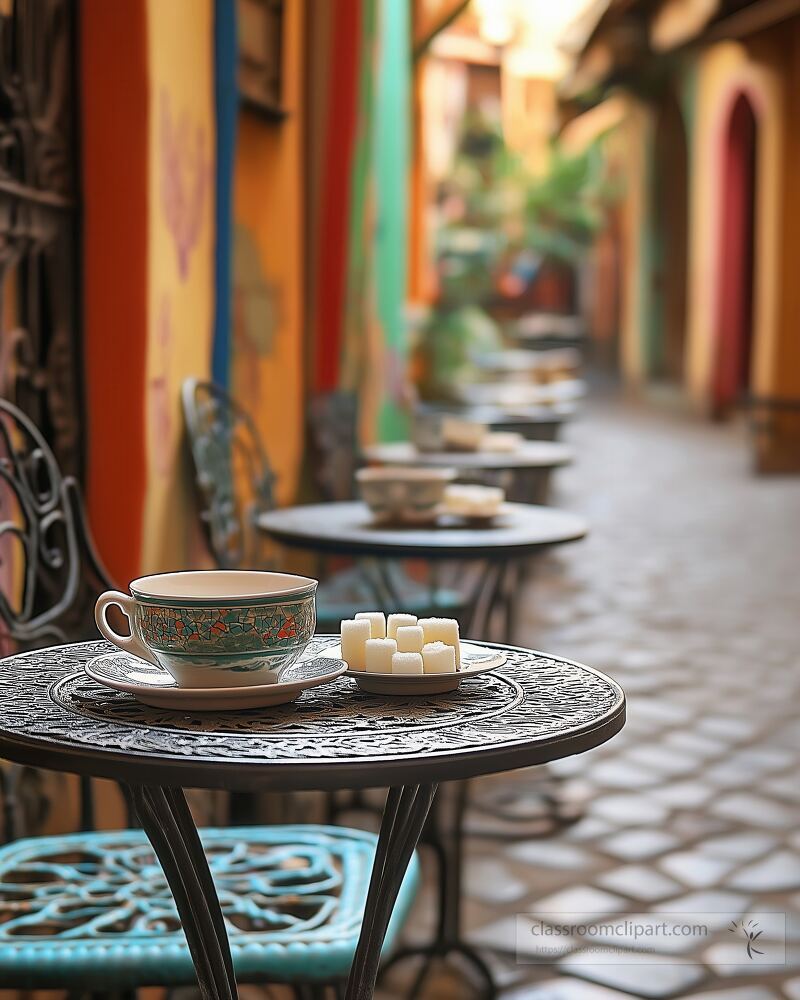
235 484
53 575
90 911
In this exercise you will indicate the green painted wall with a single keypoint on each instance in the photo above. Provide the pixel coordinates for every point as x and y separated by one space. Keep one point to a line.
391 136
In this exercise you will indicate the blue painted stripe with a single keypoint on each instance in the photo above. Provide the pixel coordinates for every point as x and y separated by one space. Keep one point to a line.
227 106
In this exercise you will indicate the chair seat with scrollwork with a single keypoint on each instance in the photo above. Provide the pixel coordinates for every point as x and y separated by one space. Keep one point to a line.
96 912
91 910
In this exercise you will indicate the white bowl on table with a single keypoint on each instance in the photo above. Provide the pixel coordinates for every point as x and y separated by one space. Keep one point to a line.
406 495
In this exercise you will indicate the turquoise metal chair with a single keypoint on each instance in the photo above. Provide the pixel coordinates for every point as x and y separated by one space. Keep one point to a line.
91 910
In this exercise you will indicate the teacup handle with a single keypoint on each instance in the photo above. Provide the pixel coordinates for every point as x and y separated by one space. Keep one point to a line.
129 643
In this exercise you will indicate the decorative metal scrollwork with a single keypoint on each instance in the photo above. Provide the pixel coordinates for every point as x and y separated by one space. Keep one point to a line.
39 342
52 573
284 882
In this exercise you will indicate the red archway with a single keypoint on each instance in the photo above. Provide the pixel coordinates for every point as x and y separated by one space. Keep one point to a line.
734 313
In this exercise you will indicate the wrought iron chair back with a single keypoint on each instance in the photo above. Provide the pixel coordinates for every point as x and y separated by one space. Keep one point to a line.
333 423
50 576
234 479
51 573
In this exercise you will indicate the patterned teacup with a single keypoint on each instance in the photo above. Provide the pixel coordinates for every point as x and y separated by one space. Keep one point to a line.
215 628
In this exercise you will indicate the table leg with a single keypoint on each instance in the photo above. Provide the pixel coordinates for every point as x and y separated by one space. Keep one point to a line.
167 821
404 816
444 834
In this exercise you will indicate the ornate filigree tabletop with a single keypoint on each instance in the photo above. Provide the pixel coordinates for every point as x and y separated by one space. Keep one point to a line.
534 709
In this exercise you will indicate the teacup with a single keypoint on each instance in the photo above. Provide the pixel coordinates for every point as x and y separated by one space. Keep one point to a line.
215 628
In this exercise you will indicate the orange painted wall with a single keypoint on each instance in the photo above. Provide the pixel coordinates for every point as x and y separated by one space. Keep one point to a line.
267 337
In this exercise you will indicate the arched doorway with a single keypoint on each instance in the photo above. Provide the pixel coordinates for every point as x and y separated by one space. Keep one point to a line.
671 211
734 326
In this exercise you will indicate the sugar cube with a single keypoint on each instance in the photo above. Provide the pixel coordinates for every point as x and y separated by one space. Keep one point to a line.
355 632
442 630
407 663
379 654
395 621
410 639
377 623
438 658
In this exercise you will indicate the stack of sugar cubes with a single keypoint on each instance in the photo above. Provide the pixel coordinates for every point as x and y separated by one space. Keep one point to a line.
401 644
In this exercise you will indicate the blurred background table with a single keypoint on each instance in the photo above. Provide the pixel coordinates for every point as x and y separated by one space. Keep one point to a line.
525 473
534 423
498 550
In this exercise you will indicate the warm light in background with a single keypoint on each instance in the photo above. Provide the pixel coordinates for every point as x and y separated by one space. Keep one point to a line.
533 30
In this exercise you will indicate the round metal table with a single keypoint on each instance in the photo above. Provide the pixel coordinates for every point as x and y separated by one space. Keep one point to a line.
527 469
535 709
501 549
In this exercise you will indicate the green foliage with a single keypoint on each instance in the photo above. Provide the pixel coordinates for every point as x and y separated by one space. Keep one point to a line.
555 215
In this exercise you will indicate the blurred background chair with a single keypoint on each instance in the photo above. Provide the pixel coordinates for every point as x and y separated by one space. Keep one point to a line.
91 910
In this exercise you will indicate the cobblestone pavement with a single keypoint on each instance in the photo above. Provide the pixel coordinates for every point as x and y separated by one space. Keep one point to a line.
687 592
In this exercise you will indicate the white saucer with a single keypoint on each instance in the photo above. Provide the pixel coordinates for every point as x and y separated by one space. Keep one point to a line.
475 660
155 687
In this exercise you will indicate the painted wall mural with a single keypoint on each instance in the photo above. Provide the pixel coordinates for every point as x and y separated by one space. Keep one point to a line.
185 179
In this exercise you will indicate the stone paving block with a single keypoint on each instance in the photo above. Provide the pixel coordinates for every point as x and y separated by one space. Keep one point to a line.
619 773
581 903
630 809
660 711
695 869
491 881
639 882
728 727
739 846
784 786
647 976
780 872
665 760
746 807
767 758
696 743
683 794
589 827
636 844
550 854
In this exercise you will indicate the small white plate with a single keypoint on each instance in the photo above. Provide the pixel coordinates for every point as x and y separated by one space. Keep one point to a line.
155 687
475 660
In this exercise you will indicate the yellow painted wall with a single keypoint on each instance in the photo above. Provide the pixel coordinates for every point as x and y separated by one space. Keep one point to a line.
723 72
267 336
180 263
